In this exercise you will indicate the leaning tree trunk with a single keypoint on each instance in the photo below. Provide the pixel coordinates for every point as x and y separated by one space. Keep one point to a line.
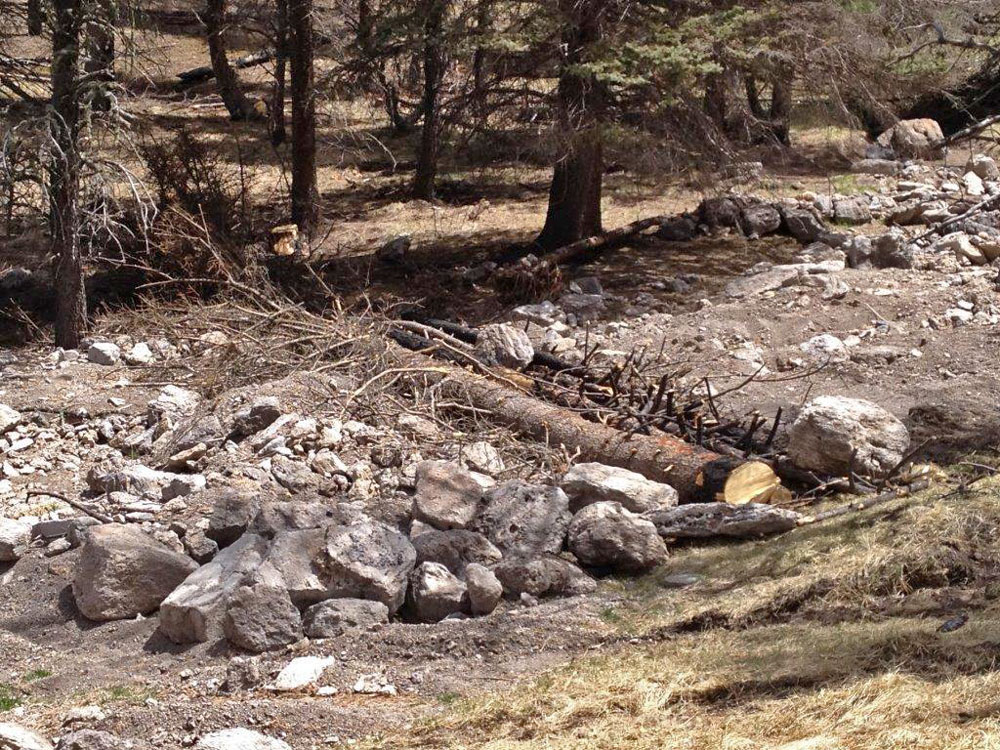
100 64
277 108
304 195
228 83
753 97
427 155
781 105
71 301
574 209
36 17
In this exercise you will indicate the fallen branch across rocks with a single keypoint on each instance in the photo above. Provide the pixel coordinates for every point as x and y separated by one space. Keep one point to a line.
598 243
696 473
938 228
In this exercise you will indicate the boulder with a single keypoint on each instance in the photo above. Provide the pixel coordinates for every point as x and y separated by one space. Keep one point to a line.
504 345
829 429
261 618
193 612
369 560
232 514
524 519
335 617
239 739
133 478
447 496
851 210
104 353
885 167
914 139
719 212
435 593
542 576
606 535
760 219
961 245
455 549
984 166
16 737
707 520
92 739
8 418
297 562
804 225
14 538
678 229
290 515
122 573
593 482
485 589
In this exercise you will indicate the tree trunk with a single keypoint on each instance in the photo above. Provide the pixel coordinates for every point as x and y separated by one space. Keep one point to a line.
781 105
753 98
479 67
228 83
277 108
304 195
36 17
100 64
716 105
574 210
71 302
427 156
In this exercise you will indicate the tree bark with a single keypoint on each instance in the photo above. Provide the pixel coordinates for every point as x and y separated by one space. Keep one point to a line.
716 106
100 64
36 17
277 109
427 156
304 194
753 98
781 105
226 80
574 209
71 300
479 60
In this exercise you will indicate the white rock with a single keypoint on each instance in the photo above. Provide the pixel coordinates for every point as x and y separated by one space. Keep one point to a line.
15 737
825 346
240 739
482 457
8 418
973 184
104 353
140 354
14 538
300 673
505 345
589 483
829 429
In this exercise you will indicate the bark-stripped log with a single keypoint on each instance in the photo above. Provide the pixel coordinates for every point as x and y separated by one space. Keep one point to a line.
659 457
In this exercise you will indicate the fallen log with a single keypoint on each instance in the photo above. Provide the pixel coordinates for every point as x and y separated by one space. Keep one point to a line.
704 520
697 474
601 242
981 206
205 72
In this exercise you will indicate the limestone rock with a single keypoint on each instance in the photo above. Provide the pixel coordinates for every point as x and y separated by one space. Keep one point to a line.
504 345
334 617
606 535
104 353
830 428
706 520
485 589
369 560
542 576
593 482
122 573
240 739
914 139
300 673
261 618
524 519
435 593
14 538
447 496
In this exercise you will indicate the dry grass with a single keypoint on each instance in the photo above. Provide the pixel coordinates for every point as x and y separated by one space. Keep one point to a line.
789 640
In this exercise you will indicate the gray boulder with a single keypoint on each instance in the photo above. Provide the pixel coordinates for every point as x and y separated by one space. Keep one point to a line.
504 345
804 225
447 496
297 562
984 166
761 219
485 589
8 418
14 538
829 429
335 617
232 514
885 167
92 739
592 482
369 560
524 519
851 210
104 353
122 573
240 739
914 139
16 737
542 576
606 535
678 229
193 612
435 593
456 550
261 618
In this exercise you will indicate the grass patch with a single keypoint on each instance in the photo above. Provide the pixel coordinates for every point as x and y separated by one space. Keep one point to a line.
827 634
8 699
37 674
134 694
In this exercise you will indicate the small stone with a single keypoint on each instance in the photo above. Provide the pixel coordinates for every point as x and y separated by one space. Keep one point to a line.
483 457
104 353
140 354
485 589
588 483
240 739
435 593
14 538
335 617
504 345
300 673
